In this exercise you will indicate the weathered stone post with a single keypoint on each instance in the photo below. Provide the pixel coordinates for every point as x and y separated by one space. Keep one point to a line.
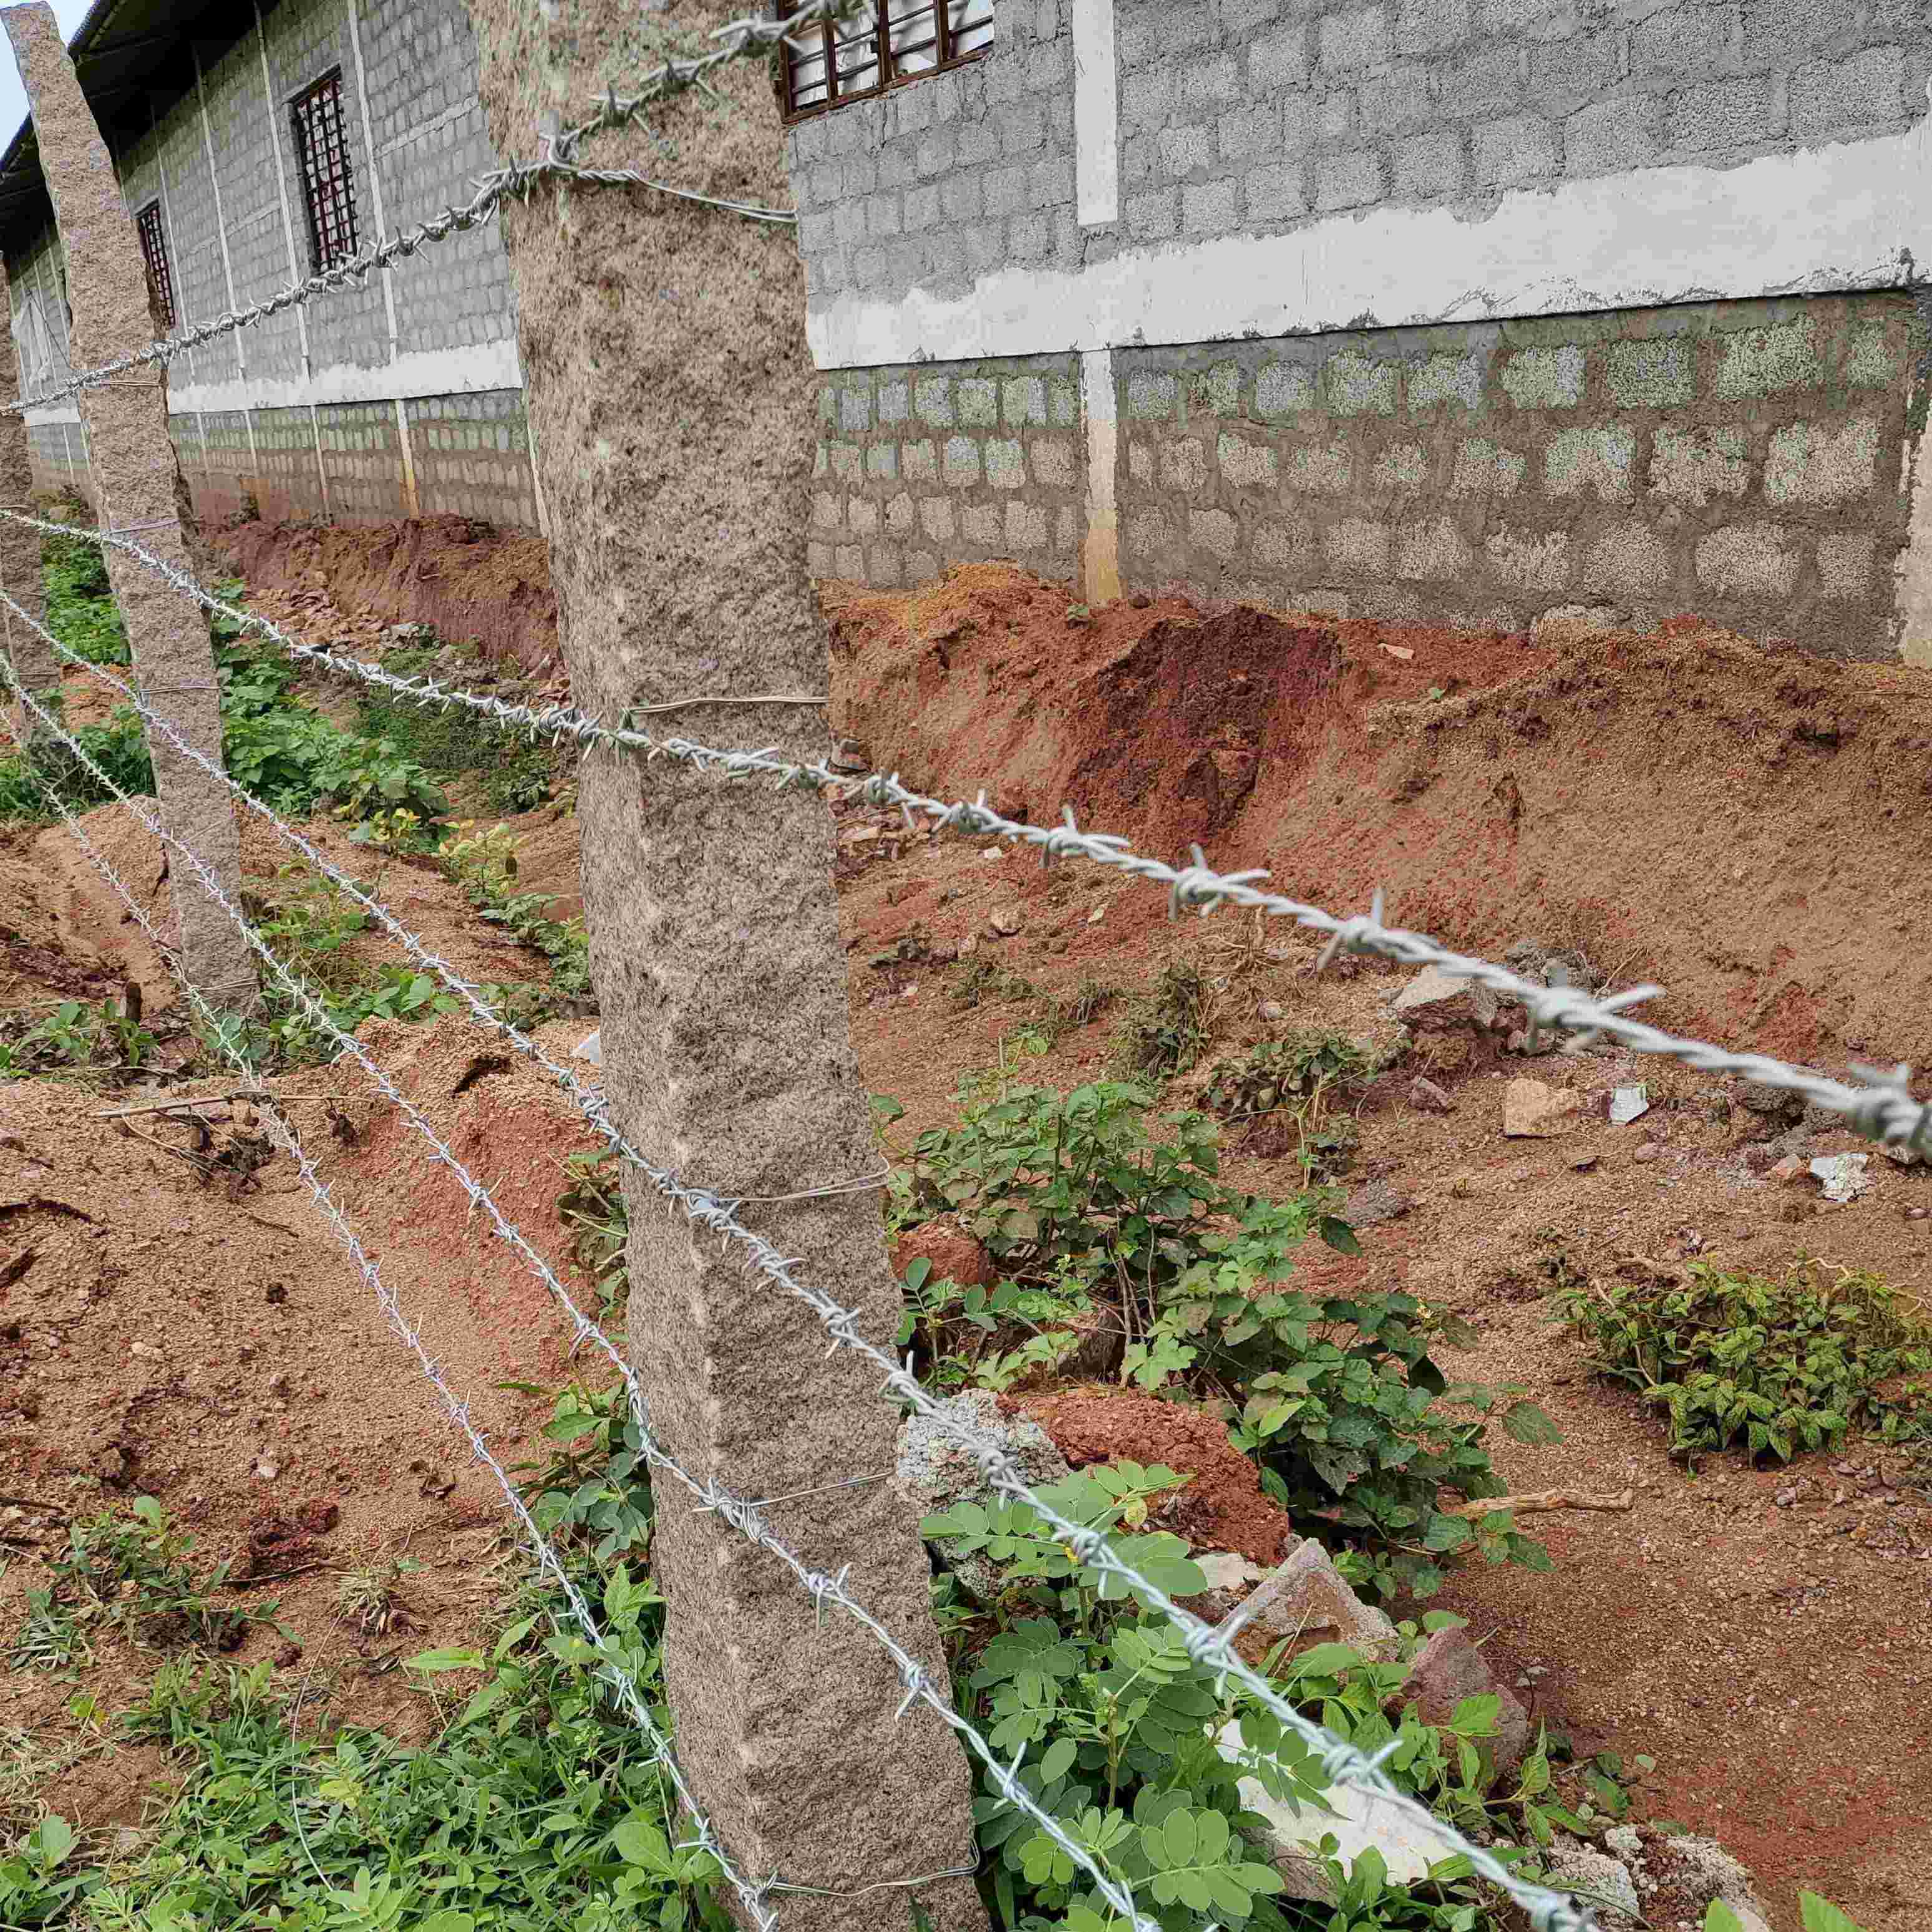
134 469
35 664
672 400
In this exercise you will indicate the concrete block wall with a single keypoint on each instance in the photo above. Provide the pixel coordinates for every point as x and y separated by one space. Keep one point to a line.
1255 115
362 458
472 458
419 57
333 371
1258 117
939 181
933 464
1738 459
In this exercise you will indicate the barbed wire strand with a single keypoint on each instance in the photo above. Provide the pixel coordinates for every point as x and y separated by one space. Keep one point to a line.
1342 1762
741 1515
587 1099
737 40
612 1672
1882 1110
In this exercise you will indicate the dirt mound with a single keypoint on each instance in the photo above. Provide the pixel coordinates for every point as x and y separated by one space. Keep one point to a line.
1744 823
464 579
1223 1508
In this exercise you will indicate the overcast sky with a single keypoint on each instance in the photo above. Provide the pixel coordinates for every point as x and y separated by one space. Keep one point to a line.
12 99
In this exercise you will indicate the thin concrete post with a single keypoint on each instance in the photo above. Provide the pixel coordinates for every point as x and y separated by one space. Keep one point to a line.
34 664
672 403
134 473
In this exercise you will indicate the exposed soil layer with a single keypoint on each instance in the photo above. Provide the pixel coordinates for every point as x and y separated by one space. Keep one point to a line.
1223 1508
1750 825
465 579
1739 827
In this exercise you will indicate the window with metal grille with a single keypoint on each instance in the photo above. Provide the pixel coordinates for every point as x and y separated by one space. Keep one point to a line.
154 252
322 151
887 42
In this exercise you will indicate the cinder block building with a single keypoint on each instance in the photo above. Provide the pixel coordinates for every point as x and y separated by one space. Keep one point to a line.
1458 310
256 146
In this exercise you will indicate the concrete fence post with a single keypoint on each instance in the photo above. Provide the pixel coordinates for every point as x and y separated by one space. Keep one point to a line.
673 404
33 663
134 471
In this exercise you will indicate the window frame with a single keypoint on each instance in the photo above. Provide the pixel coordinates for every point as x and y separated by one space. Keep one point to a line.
883 23
318 121
150 225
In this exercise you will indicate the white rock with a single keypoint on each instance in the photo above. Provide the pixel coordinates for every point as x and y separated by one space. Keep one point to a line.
1844 1174
1226 1570
1597 1879
1358 1820
1629 1103
592 1049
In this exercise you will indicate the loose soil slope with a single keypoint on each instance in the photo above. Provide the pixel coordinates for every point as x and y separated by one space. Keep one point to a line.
1749 826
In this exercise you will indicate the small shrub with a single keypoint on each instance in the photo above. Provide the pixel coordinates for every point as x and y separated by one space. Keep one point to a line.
591 1207
1337 1397
1297 1076
1780 1366
1165 1032
484 864
980 979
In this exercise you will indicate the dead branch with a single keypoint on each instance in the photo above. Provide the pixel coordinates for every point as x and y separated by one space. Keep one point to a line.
1540 1500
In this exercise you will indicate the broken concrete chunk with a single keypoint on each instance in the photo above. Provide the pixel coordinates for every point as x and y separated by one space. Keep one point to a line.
1449 1668
935 1469
1628 1103
1434 1002
1375 1202
591 1049
1424 1092
1532 1110
1307 1599
1359 1821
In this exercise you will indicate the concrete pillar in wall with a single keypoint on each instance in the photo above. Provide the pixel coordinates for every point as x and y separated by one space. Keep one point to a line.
674 442
133 472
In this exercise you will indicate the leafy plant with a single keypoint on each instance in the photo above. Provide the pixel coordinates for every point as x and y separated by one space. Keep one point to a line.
484 864
1336 1396
980 979
596 1487
1165 1032
79 1035
1780 1365
39 1886
133 1574
592 1206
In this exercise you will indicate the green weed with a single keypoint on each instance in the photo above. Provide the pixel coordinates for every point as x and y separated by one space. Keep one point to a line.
1337 1398
1781 1366
451 742
1165 1032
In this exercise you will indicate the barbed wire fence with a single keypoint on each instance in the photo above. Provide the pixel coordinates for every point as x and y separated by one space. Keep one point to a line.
1882 1108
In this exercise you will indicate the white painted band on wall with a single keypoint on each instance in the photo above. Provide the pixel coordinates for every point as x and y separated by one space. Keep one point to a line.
1853 215
416 372
1100 550
1097 144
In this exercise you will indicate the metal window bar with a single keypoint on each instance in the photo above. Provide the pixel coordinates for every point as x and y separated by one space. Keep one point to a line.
322 149
155 253
889 43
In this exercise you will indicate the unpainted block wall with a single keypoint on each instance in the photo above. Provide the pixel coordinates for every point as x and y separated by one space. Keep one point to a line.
1257 116
943 463
429 141
1738 459
940 181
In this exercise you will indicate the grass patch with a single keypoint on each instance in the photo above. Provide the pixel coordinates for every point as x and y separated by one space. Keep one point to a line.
450 742
533 1807
1779 1367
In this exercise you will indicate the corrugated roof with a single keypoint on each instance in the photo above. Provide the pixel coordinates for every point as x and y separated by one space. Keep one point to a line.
135 59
